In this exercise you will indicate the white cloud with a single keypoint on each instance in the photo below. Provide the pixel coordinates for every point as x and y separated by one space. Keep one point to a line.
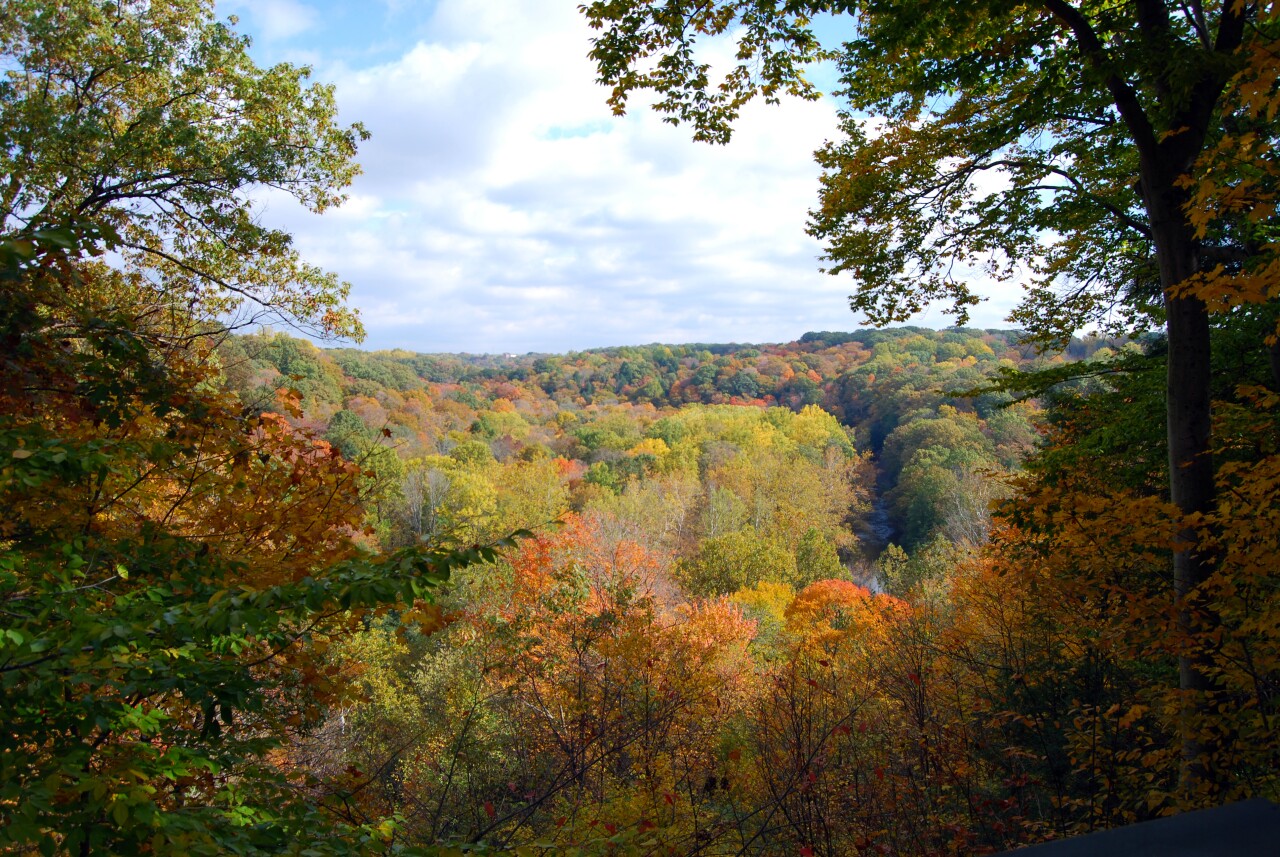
503 207
272 20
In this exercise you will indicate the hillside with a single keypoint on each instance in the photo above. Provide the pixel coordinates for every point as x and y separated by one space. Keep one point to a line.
902 395
879 592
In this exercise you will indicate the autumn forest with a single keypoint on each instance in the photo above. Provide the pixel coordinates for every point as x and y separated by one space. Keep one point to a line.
892 590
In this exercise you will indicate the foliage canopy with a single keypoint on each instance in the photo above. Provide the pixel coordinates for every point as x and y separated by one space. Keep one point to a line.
151 120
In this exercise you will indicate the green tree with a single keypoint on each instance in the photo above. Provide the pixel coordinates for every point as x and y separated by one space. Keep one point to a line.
734 561
348 433
152 120
1094 119
171 563
816 559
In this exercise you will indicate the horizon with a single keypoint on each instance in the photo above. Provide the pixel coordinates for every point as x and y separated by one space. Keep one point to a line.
341 345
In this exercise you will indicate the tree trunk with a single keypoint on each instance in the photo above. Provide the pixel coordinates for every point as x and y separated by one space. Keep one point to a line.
1191 478
1192 490
1164 161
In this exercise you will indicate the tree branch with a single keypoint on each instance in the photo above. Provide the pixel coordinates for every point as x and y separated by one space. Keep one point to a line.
1095 54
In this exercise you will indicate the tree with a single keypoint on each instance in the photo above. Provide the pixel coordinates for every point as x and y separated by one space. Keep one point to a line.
172 564
736 560
168 568
348 434
564 707
1054 142
150 119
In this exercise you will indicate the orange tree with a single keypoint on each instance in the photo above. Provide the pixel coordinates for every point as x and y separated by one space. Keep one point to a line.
567 706
612 700
1094 529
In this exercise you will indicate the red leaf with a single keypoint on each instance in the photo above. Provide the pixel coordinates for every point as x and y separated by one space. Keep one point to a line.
489 810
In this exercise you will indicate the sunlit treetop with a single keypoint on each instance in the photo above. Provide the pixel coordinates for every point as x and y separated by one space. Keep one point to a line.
150 119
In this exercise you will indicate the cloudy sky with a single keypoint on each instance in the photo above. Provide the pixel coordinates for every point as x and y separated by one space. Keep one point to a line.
503 208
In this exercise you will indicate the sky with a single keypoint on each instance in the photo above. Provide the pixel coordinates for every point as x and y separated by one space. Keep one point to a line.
503 208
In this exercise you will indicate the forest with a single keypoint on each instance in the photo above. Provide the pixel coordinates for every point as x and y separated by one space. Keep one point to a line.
887 591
